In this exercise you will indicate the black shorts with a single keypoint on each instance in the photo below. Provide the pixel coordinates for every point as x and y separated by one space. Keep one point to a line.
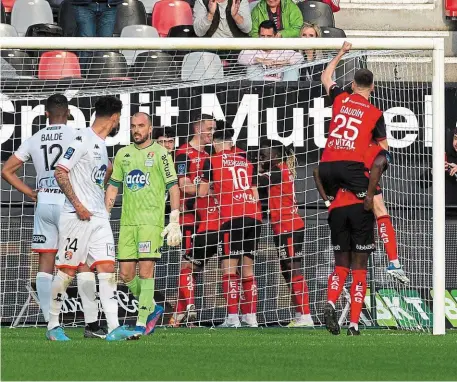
240 237
205 245
343 174
290 245
352 229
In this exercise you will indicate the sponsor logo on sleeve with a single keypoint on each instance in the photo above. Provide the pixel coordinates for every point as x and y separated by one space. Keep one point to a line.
38 239
144 247
166 165
182 169
69 153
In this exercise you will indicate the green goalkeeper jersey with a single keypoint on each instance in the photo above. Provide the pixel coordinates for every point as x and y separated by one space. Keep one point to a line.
146 174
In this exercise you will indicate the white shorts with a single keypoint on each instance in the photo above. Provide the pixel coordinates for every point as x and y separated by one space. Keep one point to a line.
46 228
80 242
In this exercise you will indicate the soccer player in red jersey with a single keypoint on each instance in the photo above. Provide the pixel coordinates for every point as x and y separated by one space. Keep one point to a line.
234 181
351 229
355 123
200 217
386 230
277 177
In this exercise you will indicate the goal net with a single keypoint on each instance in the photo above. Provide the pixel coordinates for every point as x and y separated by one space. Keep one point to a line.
266 91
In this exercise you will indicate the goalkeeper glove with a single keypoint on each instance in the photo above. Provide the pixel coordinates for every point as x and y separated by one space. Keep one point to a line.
172 230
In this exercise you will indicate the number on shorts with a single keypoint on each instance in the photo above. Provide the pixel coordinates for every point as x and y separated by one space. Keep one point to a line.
52 148
73 245
240 178
350 131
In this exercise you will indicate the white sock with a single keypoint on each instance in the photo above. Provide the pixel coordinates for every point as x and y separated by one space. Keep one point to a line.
331 303
43 289
59 286
354 325
108 299
87 290
396 263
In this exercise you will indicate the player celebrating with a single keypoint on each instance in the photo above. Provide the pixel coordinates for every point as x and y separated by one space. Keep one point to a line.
85 231
45 148
233 178
355 123
288 227
201 211
165 137
146 171
351 229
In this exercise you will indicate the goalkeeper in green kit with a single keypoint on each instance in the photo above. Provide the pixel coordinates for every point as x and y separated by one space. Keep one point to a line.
146 171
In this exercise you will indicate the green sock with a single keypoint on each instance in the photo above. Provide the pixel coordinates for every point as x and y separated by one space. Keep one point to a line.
135 286
146 301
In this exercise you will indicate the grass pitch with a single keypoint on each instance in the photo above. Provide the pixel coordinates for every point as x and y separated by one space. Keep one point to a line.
224 354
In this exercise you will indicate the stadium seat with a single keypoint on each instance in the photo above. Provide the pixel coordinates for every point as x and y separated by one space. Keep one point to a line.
58 64
30 12
169 13
20 61
149 5
330 32
136 31
55 3
154 67
7 30
182 31
104 65
130 12
317 13
201 65
2 14
8 5
44 30
67 19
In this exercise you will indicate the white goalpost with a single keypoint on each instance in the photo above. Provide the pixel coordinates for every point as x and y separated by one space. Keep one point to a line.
285 102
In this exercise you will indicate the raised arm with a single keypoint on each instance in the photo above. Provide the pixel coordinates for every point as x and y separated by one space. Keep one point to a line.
9 174
327 74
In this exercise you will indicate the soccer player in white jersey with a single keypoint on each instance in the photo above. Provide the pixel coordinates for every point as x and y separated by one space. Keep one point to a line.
45 148
85 231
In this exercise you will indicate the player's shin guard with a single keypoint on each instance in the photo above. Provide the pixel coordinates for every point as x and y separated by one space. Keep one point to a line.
387 235
185 290
300 294
145 301
249 300
87 290
134 286
358 291
59 286
231 289
336 283
108 298
43 289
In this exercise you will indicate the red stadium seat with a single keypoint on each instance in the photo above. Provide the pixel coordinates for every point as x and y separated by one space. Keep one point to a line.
169 13
58 64
451 9
8 4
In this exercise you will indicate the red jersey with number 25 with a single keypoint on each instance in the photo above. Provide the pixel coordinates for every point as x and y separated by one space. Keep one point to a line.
232 175
355 123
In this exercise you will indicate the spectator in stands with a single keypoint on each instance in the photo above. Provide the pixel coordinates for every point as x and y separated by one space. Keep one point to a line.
165 136
94 19
260 60
311 72
284 13
222 18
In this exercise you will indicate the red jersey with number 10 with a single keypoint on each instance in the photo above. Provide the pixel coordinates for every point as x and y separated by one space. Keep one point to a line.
355 123
232 175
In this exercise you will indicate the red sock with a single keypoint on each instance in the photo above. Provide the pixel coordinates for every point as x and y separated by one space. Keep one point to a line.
387 235
231 289
336 283
358 291
249 299
300 294
186 290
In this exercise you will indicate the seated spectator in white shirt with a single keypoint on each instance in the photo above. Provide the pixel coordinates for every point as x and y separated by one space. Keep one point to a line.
258 61
222 18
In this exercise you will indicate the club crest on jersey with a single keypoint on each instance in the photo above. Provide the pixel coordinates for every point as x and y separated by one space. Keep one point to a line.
149 162
136 180
98 175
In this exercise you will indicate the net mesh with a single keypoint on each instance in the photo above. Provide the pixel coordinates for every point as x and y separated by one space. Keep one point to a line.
278 96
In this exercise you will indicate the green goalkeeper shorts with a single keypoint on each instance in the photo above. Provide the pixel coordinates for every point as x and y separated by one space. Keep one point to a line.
141 242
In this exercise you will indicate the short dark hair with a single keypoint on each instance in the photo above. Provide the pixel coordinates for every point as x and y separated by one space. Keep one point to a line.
163 131
57 104
197 117
363 78
268 24
224 131
106 106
